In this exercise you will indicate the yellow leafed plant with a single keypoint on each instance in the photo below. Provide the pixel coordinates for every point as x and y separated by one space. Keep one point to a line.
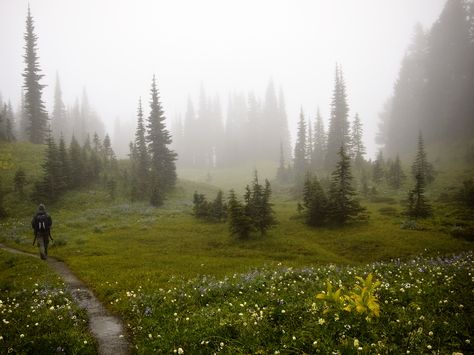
331 297
361 299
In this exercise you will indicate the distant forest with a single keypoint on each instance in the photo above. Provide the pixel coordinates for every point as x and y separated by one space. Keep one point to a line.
434 92
253 130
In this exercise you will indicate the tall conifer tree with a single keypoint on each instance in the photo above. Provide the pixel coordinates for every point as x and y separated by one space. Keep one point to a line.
421 165
58 117
342 203
162 159
357 145
300 160
338 125
35 110
141 154
319 143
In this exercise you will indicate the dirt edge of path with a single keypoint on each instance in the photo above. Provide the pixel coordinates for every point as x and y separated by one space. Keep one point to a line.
105 327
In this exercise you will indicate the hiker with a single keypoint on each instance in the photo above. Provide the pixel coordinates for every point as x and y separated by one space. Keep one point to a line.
41 224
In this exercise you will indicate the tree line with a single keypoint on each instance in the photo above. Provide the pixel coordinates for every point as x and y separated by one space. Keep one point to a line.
254 130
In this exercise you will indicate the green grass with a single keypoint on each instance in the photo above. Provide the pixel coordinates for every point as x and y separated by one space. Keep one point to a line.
37 315
116 246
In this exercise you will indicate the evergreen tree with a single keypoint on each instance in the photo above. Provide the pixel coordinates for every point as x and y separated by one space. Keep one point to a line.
3 134
109 154
319 143
19 181
77 164
258 206
162 160
338 125
282 172
310 145
283 131
7 119
141 169
218 208
417 205
315 203
240 223
47 188
64 168
342 203
58 117
3 212
396 176
135 192
97 155
9 135
378 169
357 146
421 166
111 185
200 206
86 154
300 159
34 106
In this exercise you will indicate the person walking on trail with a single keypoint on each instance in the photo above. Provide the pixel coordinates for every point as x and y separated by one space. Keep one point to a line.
41 223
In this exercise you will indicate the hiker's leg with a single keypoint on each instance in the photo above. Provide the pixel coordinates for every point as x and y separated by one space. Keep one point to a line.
46 244
42 247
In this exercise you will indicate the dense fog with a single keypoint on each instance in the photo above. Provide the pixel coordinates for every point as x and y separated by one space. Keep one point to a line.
230 53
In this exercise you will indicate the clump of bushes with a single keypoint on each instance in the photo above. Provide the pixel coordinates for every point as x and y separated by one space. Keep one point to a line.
215 211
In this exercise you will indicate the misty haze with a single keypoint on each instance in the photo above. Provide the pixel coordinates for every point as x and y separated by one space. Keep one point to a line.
236 177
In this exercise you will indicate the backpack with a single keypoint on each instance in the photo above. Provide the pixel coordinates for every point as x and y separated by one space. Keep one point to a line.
42 223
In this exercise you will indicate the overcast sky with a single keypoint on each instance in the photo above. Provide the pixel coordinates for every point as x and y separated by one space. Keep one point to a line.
113 47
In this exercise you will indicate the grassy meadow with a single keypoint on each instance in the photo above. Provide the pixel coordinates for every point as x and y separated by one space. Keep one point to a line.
181 283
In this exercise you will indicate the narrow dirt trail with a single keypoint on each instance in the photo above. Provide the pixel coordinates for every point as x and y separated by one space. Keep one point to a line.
105 327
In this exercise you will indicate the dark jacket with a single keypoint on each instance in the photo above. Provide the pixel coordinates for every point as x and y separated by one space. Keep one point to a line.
35 223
